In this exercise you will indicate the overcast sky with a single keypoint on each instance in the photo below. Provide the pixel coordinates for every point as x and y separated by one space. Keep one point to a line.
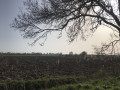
12 41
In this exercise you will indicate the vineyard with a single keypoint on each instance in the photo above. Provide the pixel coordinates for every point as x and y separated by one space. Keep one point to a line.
36 72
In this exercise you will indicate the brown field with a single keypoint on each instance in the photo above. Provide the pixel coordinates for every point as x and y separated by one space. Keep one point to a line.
16 67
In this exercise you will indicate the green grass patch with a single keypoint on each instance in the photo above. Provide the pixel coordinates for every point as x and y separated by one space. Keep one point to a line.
110 83
43 83
63 83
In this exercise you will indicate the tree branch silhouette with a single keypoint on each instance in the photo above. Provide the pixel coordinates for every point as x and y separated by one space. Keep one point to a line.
78 17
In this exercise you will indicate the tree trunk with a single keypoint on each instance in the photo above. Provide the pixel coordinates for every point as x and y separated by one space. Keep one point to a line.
119 6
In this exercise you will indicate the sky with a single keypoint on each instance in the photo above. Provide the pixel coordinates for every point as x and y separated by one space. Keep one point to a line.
12 41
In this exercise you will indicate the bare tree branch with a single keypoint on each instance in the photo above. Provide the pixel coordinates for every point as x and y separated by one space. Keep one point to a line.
80 17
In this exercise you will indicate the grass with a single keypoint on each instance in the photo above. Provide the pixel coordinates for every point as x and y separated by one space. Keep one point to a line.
110 83
43 83
63 83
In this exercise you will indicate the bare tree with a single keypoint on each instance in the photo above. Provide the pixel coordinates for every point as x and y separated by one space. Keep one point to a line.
110 47
77 17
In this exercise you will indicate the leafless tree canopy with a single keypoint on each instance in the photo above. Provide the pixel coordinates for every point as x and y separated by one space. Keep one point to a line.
77 17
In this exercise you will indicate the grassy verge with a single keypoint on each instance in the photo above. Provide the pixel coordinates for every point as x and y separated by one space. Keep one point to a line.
63 83
110 83
43 83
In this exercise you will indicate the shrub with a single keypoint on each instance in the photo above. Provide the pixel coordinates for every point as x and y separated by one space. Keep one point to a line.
42 83
97 88
81 78
99 74
116 88
70 88
16 85
52 82
53 88
106 87
2 86
86 87
95 82
118 78
70 80
84 53
79 86
29 85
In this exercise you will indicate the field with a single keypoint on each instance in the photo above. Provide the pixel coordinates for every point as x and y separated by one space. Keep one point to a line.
59 72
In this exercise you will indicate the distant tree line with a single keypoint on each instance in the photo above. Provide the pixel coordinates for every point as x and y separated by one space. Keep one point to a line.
39 53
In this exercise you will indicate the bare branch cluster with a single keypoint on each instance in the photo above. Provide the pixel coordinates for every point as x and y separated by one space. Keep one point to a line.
109 47
80 17
112 47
